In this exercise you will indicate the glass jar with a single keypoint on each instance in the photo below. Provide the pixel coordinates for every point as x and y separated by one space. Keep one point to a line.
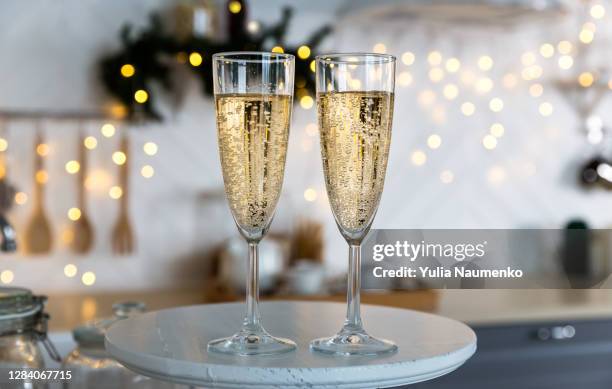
91 366
23 326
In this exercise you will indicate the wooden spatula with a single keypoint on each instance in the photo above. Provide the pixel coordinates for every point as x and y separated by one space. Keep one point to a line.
123 236
38 236
82 229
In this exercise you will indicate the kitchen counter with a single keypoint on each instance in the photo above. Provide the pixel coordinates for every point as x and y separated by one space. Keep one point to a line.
475 307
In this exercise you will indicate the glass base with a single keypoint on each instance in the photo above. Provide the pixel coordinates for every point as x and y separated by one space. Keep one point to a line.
253 342
353 342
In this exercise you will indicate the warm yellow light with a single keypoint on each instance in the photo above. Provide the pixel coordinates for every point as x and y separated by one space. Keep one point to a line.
108 130
313 66
427 97
438 114
303 52
610 84
379 48
90 142
70 270
434 58
467 77
147 171
195 59
536 90
115 192
528 58
150 148
307 102
485 63
532 72
3 144
43 149
7 276
67 236
496 174
73 167
497 130
484 85
434 141
2 171
278 49
74 214
468 108
436 74
510 81
489 142
128 70
452 65
586 36
119 157
408 58
21 198
42 177
141 96
253 26
98 180
446 176
405 78
565 62
598 11
310 195
181 57
234 7
312 129
117 110
451 91
586 79
546 109
496 104
547 50
565 47
418 158
88 278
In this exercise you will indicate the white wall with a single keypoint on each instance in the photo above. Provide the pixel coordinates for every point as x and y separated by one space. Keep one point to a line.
49 52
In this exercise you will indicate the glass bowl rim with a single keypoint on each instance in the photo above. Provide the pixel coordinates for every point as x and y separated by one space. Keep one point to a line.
362 58
253 57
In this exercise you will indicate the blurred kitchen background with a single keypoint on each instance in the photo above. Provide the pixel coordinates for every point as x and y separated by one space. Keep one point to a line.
501 121
500 105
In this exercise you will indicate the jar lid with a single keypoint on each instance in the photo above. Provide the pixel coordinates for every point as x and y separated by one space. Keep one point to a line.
18 303
91 335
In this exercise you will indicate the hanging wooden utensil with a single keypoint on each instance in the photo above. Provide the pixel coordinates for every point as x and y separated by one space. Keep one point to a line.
83 234
123 236
38 236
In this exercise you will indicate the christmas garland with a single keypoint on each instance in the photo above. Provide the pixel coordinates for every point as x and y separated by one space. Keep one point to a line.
151 56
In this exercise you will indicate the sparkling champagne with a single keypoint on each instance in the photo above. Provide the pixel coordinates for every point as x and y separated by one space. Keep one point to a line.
355 136
253 131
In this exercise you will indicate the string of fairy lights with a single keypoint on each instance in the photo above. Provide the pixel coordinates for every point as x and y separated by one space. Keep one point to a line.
452 81
449 80
96 180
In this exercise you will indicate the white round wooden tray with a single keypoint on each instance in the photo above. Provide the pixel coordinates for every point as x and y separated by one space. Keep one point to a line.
171 345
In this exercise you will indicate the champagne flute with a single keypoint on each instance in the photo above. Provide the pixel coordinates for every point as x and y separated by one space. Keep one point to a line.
355 108
253 97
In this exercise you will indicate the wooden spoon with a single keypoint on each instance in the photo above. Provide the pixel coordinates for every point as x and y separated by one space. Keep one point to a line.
83 232
38 236
123 237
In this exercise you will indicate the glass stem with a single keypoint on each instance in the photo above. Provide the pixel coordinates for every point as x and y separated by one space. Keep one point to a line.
252 319
353 313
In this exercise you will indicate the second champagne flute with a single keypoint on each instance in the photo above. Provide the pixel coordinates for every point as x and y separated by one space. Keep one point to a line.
355 108
253 97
